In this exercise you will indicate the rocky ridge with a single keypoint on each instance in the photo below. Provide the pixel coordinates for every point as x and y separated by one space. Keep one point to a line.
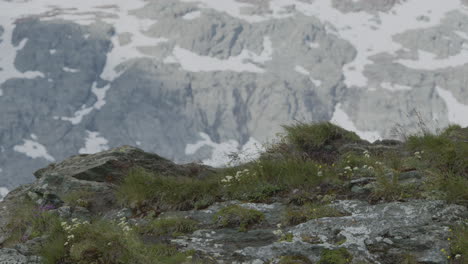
356 226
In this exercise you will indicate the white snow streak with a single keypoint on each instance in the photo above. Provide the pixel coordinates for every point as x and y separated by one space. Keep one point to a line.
3 192
457 112
192 15
342 119
66 69
100 94
428 61
395 87
247 61
305 72
220 151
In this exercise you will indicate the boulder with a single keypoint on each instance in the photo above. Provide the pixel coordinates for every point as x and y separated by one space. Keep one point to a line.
112 165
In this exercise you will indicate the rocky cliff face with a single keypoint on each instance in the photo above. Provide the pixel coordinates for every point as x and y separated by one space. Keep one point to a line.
188 78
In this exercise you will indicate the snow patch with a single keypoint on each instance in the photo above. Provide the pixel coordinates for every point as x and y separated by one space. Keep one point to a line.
429 61
100 94
342 119
315 81
220 151
192 15
461 34
457 112
3 192
94 144
395 87
303 71
234 9
314 45
66 69
33 149
247 61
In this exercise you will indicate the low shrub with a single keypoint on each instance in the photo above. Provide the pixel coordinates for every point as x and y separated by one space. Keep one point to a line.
169 227
237 216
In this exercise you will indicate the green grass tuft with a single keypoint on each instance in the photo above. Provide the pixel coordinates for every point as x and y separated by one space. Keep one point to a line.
82 198
294 260
169 227
266 177
142 188
388 188
308 137
29 221
459 243
295 216
441 152
104 242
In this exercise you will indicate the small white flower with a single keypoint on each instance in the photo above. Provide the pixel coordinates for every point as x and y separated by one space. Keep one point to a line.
278 232
355 168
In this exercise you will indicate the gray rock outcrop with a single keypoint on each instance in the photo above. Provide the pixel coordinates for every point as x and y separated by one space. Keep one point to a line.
374 233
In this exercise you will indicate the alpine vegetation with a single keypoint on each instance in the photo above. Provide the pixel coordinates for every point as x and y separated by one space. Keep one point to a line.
317 194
